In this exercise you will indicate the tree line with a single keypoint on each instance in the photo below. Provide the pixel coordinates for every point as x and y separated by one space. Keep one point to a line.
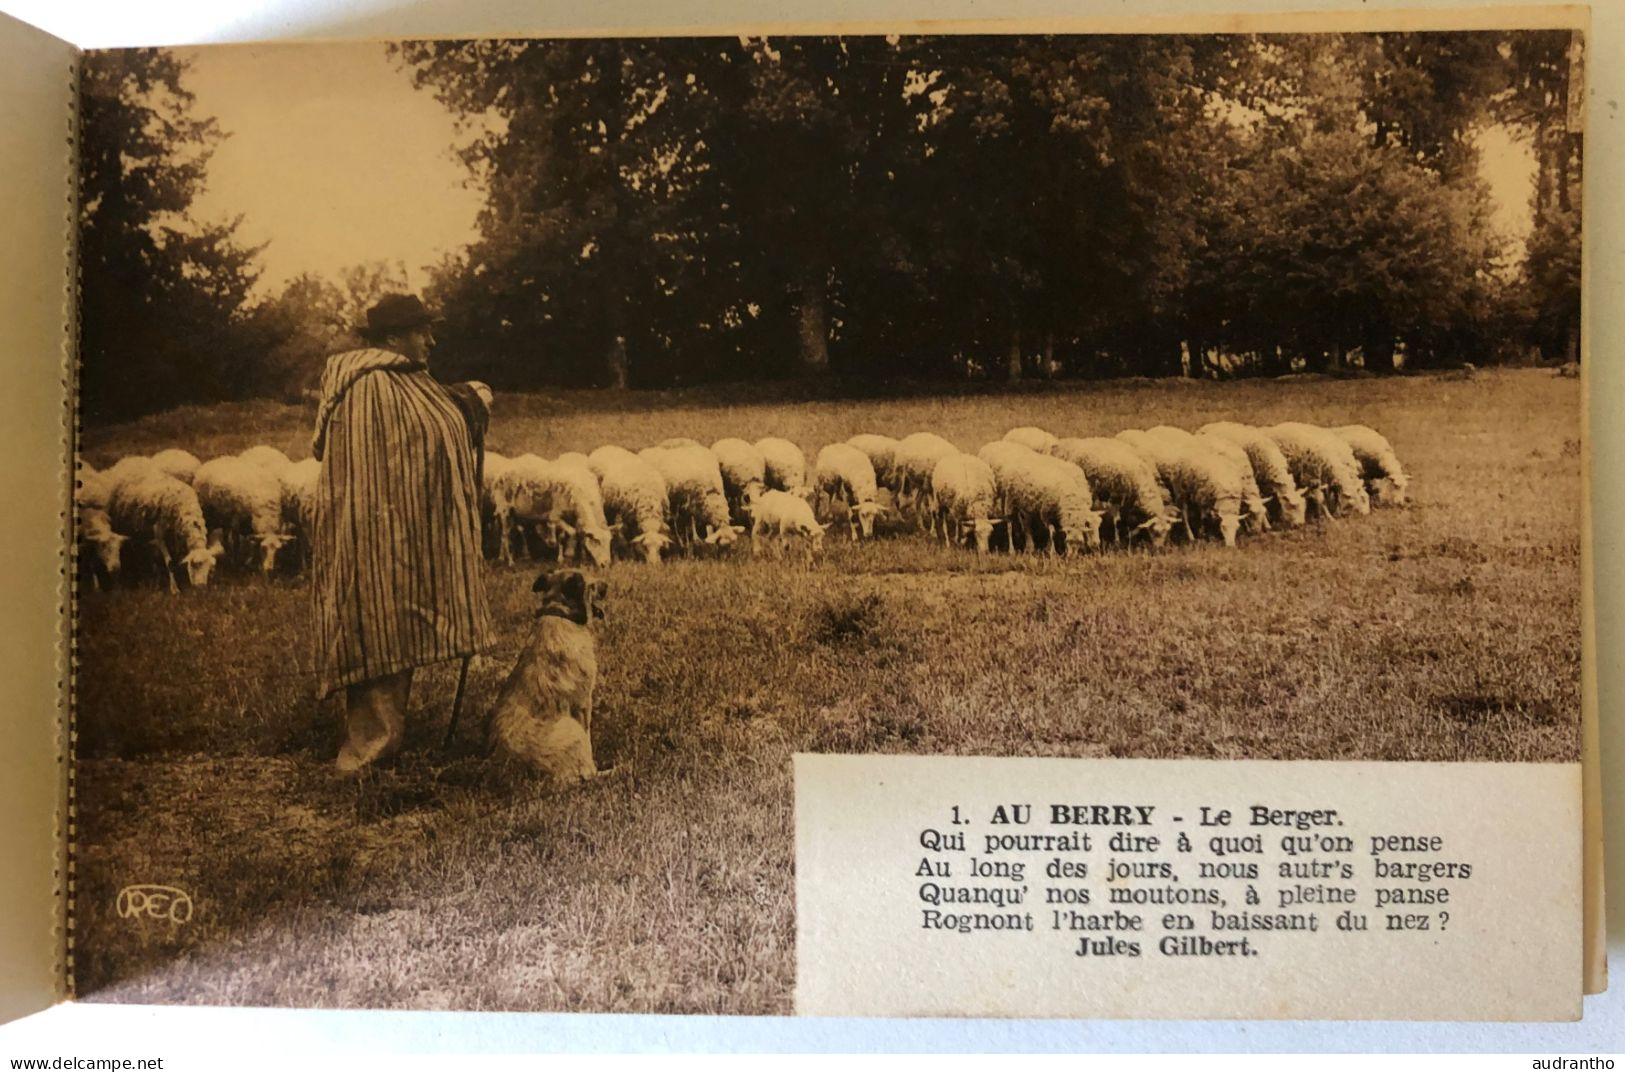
676 211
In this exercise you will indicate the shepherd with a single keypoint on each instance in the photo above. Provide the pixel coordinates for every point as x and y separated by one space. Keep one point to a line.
396 570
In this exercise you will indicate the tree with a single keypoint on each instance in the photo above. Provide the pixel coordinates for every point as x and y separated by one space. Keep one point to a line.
161 295
1547 88
1338 230
592 154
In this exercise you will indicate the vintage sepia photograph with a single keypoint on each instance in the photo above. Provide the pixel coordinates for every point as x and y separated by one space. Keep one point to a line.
498 458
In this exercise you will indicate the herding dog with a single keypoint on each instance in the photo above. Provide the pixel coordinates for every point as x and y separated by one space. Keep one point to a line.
543 715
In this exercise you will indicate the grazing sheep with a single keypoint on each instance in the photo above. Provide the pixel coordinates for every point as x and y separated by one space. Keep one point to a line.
1254 509
574 457
1055 503
1203 487
494 509
506 481
1323 465
843 474
1046 499
916 459
1385 479
678 443
784 466
299 503
180 464
881 451
244 501
1028 436
697 503
128 468
92 487
99 545
266 458
563 499
1006 459
1287 504
166 514
606 455
785 515
1171 434
635 500
744 474
966 496
1125 487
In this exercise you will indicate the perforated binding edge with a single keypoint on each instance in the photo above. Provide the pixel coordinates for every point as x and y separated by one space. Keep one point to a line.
67 826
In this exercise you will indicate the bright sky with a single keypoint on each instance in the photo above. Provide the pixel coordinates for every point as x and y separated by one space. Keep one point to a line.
1508 165
333 157
336 160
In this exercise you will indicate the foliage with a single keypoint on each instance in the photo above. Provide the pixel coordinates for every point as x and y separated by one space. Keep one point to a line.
161 295
669 212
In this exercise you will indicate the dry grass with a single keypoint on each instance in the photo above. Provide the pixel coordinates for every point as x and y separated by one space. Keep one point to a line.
1445 631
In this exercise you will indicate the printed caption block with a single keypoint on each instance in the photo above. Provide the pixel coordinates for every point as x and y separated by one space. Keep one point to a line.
1120 888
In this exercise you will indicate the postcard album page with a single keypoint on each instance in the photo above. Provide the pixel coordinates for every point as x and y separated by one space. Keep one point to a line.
981 523
36 173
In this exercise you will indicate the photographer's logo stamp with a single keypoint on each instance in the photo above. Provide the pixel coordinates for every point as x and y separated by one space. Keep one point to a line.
148 901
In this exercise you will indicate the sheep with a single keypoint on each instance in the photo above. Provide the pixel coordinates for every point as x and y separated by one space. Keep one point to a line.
1055 502
1270 470
1323 465
1254 513
574 457
1254 509
744 474
244 501
1028 436
784 466
635 500
785 515
881 450
99 545
494 509
965 493
916 459
180 464
266 458
1046 499
843 474
506 480
563 499
1385 479
1205 488
604 456
1005 458
1171 434
92 487
1125 487
697 503
678 443
128 468
168 515
298 482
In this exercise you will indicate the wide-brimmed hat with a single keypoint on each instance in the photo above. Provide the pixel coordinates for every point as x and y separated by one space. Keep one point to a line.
394 314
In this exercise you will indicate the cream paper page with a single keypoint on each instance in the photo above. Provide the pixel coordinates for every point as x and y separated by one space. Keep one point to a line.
979 886
36 73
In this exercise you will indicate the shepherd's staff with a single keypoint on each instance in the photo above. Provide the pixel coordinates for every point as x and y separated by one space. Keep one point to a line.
456 703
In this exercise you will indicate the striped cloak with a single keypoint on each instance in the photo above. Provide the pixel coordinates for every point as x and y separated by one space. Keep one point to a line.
396 567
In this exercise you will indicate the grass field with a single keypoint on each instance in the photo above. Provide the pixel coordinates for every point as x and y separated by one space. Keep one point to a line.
1449 630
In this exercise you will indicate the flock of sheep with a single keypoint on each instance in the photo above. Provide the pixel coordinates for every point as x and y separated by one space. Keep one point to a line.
1030 490
246 508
